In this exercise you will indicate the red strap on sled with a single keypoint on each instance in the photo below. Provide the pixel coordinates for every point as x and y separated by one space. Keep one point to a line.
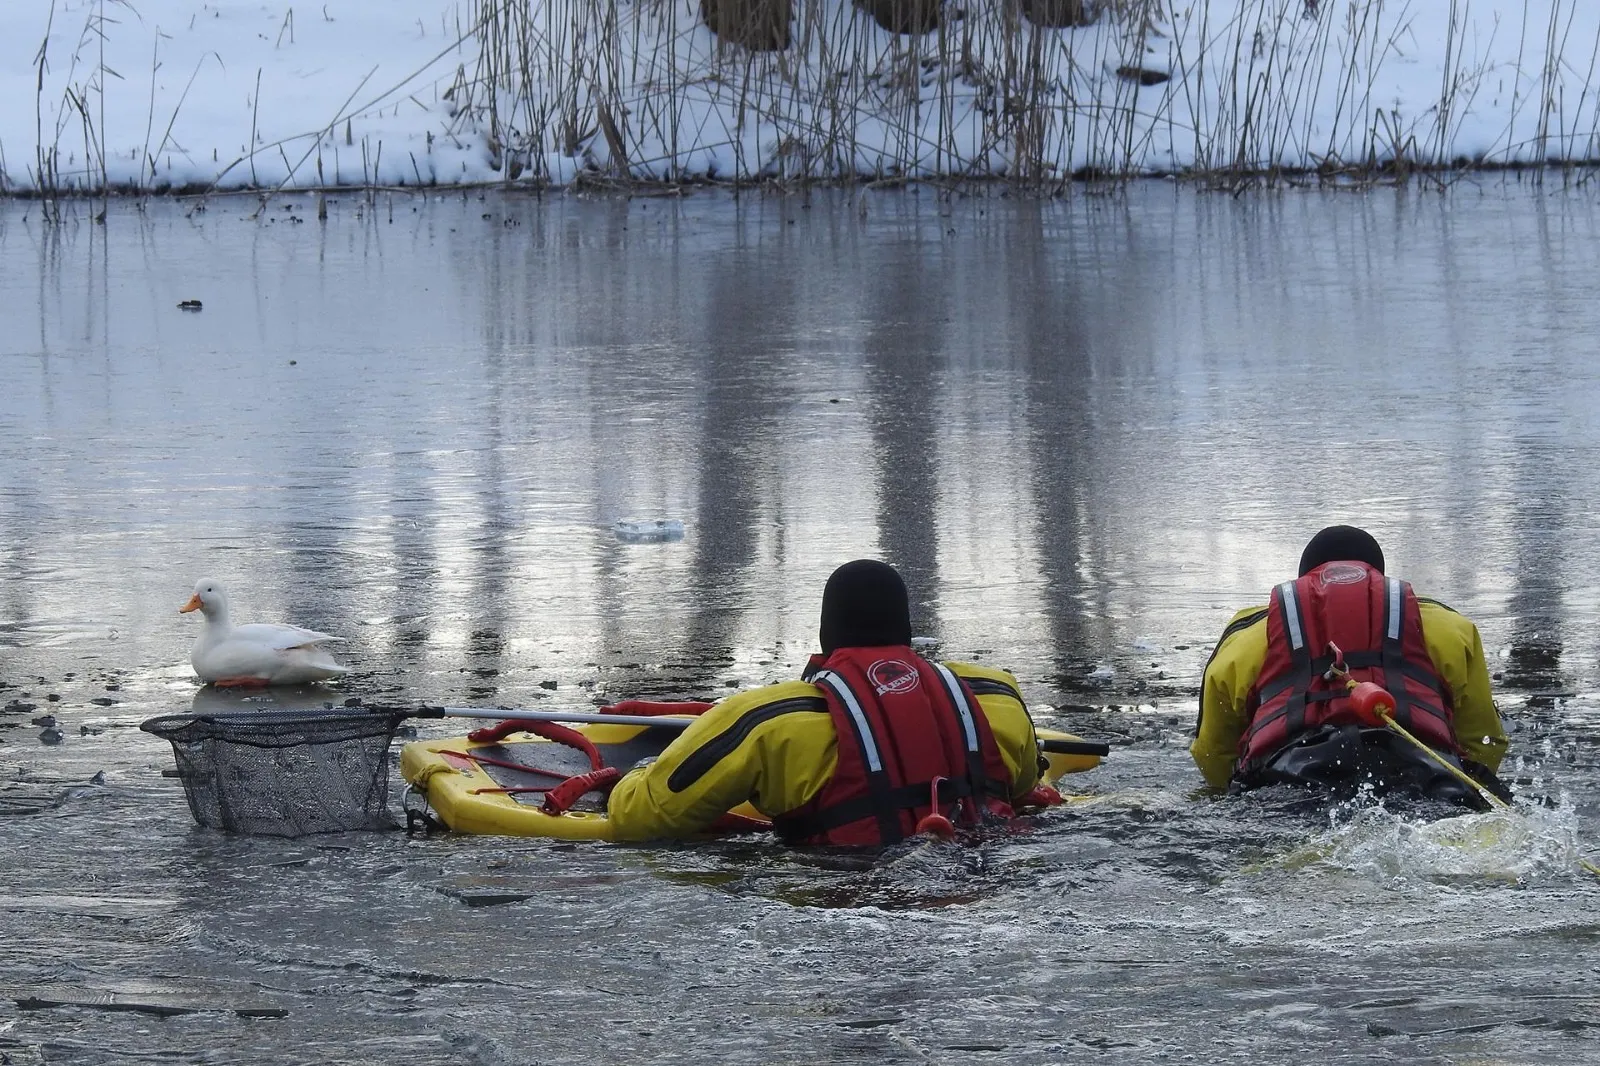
652 708
507 764
549 730
560 799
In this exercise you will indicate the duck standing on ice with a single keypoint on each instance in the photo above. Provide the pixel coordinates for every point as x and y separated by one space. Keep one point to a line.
262 653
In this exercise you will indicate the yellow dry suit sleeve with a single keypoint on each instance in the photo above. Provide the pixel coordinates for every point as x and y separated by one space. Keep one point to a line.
1001 698
1456 649
766 746
1224 692
770 748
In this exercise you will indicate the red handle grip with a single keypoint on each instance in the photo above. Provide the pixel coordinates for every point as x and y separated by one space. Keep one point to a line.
559 800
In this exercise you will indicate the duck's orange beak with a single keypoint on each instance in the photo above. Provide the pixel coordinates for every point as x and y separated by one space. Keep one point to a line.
192 605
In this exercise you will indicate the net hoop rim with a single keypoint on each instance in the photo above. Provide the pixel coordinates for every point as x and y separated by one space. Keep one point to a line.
268 727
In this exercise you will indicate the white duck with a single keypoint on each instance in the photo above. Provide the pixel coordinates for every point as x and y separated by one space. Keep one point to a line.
263 653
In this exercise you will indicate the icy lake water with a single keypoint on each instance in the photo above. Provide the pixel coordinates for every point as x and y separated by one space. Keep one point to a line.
1086 431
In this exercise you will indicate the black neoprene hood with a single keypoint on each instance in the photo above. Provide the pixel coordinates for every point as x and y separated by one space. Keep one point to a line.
1341 544
864 605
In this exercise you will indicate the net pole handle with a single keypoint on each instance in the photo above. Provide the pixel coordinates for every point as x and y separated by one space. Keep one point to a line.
579 717
1063 746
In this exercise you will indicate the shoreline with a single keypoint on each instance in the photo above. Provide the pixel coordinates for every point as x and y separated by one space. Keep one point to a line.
1348 179
146 97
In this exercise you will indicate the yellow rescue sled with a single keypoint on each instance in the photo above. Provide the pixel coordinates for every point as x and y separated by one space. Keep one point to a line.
497 787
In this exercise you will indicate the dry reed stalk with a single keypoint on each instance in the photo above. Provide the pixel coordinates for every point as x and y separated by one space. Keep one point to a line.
45 175
642 90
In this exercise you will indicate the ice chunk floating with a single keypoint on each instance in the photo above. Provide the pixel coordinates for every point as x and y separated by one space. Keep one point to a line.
657 531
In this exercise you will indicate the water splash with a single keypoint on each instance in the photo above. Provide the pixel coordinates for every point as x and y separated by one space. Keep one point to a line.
1516 845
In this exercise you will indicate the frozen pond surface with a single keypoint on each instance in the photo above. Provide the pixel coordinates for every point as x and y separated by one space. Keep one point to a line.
1086 431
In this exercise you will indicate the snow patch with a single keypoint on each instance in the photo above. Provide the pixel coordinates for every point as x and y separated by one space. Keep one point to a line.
163 94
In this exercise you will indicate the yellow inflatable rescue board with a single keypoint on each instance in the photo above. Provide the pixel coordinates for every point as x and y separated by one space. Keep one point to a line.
497 787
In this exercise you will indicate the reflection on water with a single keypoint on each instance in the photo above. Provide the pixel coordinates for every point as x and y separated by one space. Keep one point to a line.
211 700
1087 431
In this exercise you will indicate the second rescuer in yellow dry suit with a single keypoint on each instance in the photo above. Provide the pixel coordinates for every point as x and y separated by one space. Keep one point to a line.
874 740
1271 699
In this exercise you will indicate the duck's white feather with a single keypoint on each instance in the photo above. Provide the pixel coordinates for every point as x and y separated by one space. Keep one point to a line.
280 636
263 652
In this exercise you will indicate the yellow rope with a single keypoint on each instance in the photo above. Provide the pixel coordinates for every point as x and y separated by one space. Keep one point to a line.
1459 774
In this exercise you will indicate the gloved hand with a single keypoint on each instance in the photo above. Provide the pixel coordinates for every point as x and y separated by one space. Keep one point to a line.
1041 796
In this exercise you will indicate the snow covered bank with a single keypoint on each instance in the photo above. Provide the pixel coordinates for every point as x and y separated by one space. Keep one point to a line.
174 93
225 94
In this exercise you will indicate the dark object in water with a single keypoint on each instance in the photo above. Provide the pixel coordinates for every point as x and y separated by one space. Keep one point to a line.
1345 759
161 1003
1143 75
189 305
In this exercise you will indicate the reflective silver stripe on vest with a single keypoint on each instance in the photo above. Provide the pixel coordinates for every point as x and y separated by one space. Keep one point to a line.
869 743
1394 608
1291 615
959 698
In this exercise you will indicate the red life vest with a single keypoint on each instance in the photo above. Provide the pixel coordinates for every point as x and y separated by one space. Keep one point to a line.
902 721
1377 625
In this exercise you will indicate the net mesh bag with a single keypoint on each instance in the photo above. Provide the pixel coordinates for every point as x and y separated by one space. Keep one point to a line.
283 773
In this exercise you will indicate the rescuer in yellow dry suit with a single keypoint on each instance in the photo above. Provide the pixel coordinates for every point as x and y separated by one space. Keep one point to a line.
1272 698
862 751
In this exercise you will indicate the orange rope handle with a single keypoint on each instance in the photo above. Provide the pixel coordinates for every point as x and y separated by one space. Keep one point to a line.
555 731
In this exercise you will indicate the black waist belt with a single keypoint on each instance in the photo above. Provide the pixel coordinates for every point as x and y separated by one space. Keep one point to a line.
906 797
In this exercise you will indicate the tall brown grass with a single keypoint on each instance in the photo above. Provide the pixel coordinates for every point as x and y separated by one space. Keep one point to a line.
1033 91
642 91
